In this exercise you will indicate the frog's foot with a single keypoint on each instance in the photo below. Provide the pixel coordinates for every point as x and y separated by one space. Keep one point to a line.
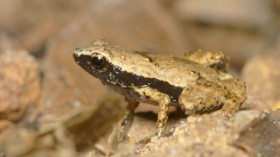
124 127
145 140
156 135
148 139
128 139
160 134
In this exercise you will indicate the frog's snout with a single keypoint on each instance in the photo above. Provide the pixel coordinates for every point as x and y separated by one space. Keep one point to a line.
75 56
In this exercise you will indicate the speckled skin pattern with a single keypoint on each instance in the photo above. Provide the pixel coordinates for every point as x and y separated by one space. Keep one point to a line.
193 82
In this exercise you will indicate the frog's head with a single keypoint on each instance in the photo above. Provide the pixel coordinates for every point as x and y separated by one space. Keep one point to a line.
93 58
98 60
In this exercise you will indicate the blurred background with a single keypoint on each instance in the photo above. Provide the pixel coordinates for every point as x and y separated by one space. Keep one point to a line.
38 37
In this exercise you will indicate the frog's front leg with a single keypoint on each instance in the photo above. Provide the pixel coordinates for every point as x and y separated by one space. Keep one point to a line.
127 120
162 115
163 101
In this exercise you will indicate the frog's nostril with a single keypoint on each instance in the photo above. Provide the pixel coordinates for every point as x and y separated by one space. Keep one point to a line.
78 49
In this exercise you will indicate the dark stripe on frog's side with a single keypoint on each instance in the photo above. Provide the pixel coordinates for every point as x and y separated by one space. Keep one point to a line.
128 79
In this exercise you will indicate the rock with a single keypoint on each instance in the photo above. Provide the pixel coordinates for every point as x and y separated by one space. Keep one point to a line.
261 136
75 132
232 12
92 124
233 26
247 133
21 142
33 22
276 3
19 84
6 43
262 77
254 103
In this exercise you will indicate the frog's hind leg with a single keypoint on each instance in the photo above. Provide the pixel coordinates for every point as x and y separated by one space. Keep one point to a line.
236 97
202 96
215 60
127 121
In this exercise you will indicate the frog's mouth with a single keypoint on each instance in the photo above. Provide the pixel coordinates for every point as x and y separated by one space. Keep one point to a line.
84 62
76 58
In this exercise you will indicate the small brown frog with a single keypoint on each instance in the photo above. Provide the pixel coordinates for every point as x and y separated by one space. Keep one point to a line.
196 83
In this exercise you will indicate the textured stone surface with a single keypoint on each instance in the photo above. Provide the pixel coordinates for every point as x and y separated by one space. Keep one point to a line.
207 135
19 84
261 137
21 142
77 131
247 133
255 103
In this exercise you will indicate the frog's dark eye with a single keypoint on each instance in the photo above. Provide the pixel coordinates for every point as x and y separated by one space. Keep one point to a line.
98 60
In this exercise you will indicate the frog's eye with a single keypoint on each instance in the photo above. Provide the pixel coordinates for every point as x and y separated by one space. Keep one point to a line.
98 60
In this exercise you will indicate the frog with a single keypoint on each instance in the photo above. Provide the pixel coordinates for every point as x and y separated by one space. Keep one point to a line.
196 83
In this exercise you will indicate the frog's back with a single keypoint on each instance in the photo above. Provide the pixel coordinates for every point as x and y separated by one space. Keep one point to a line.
177 71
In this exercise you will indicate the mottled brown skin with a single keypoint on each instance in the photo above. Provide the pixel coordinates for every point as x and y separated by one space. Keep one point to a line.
196 86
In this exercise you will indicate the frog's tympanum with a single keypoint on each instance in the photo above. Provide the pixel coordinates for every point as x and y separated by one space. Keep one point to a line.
196 83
